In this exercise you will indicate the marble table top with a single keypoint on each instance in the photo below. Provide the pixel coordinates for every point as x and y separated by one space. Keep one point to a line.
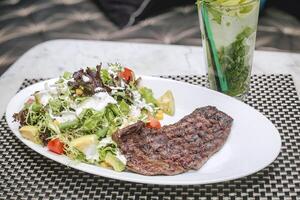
50 59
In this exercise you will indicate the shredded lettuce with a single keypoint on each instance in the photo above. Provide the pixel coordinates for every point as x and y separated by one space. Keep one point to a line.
93 121
102 132
104 150
69 125
67 75
57 105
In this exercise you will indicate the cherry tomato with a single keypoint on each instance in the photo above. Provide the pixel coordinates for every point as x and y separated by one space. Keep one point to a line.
153 123
127 74
56 146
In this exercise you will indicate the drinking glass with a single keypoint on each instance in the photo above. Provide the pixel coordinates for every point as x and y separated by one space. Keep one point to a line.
228 31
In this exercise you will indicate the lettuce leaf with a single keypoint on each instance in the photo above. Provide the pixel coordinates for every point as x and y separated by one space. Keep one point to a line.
104 150
147 94
124 107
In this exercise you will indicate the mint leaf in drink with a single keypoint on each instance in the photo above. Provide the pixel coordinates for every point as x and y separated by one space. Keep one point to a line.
235 62
245 33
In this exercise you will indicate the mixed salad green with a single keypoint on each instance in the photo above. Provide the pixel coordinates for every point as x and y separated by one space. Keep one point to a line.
77 115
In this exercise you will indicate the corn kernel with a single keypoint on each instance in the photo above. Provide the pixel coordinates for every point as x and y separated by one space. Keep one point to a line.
79 91
159 115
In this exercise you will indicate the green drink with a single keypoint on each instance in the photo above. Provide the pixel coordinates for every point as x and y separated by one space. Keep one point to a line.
228 30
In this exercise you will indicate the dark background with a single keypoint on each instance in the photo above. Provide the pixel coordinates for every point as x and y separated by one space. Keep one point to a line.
25 23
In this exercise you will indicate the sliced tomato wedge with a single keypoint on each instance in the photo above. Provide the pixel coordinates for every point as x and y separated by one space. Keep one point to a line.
153 123
127 74
56 146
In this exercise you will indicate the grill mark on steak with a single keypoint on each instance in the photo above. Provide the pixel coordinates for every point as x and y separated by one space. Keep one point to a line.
177 148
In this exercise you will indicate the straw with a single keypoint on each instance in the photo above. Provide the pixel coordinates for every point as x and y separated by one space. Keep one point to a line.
220 78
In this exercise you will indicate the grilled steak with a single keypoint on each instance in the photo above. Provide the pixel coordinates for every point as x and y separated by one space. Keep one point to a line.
176 148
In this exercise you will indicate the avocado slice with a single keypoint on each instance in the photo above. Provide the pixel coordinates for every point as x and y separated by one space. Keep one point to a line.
83 142
167 103
30 133
113 161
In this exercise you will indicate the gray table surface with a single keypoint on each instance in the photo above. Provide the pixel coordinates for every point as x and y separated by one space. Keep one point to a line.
50 59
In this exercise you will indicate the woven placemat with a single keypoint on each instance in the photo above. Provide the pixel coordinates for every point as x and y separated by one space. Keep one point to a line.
25 174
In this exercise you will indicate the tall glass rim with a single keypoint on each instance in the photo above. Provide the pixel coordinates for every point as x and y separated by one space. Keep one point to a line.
212 5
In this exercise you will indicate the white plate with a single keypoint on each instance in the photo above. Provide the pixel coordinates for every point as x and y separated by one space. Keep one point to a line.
252 145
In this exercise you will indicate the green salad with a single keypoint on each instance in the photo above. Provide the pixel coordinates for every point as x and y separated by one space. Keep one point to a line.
77 114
